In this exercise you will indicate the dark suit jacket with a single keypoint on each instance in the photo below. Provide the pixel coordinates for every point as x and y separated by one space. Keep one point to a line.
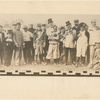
18 38
1 39
76 29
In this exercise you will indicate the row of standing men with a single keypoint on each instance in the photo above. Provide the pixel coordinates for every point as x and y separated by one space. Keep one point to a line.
50 43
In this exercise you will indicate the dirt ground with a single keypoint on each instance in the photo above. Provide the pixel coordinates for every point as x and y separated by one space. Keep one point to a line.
50 67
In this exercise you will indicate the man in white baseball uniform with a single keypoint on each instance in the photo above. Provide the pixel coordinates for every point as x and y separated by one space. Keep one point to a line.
49 31
53 50
82 43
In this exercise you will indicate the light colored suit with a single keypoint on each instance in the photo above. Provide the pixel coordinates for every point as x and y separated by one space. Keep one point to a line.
69 39
53 51
94 37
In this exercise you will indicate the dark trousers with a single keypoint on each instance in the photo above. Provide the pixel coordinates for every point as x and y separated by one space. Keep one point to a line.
60 48
88 54
32 50
1 55
27 52
47 44
74 55
45 49
67 50
44 52
14 53
7 55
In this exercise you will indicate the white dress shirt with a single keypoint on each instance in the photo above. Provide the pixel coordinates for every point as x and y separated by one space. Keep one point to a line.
82 38
27 35
49 31
69 39
94 35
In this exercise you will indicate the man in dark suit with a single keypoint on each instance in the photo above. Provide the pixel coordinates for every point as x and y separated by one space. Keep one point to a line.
88 49
8 48
18 41
32 30
45 41
1 44
76 28
13 29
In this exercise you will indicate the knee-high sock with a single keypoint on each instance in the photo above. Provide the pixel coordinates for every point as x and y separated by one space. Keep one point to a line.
40 58
77 59
36 57
48 61
83 60
55 60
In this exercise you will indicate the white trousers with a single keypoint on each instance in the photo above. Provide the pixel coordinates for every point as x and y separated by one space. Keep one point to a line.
53 51
81 49
91 53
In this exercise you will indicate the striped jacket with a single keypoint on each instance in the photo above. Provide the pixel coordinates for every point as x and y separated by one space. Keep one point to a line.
39 37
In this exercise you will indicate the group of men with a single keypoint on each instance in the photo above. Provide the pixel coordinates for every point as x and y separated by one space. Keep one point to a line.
43 44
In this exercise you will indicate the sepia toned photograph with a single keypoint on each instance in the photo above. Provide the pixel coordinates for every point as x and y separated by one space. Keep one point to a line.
50 42
49 50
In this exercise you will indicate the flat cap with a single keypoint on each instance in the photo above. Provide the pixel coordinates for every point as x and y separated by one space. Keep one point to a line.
43 24
54 25
50 20
76 20
68 23
18 23
93 20
62 27
38 25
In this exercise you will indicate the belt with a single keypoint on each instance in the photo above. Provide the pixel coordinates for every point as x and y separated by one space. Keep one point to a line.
27 41
54 43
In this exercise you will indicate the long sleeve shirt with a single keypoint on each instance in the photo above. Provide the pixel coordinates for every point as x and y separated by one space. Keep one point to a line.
32 30
69 39
94 35
54 37
27 36
82 38
1 39
49 31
